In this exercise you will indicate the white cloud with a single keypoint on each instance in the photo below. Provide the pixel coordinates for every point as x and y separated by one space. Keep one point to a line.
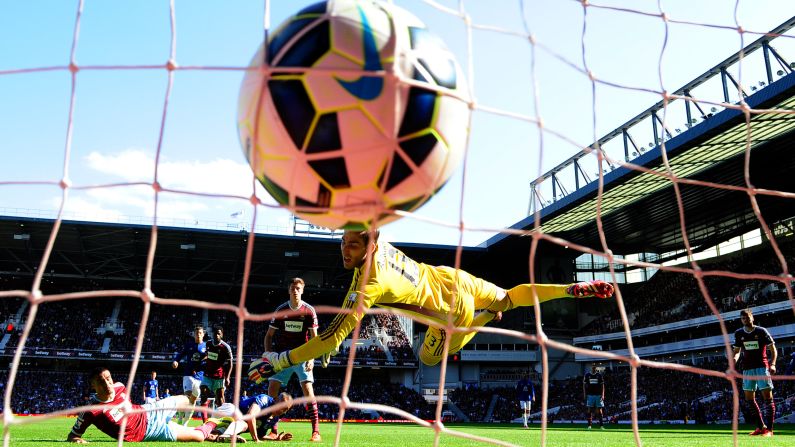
132 165
218 176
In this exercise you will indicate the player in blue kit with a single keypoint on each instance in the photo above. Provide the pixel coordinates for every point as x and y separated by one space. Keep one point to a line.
151 390
194 354
258 426
593 390
527 395
753 342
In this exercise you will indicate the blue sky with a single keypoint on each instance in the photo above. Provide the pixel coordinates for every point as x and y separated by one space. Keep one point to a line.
117 113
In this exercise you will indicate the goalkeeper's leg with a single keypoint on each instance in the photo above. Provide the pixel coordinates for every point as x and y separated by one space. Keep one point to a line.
459 340
482 294
433 345
430 352
522 295
472 293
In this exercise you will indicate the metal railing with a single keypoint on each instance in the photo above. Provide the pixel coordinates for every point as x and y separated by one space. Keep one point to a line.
688 107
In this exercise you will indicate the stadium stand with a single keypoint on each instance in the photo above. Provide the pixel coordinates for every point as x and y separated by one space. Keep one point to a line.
669 297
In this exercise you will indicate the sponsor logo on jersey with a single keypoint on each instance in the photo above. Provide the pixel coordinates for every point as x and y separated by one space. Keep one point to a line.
212 355
293 326
352 297
751 345
116 413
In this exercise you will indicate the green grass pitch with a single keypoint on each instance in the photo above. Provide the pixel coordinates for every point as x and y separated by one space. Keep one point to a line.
53 433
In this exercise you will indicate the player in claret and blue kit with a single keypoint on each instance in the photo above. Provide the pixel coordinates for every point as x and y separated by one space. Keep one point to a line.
217 368
753 342
289 331
153 424
593 389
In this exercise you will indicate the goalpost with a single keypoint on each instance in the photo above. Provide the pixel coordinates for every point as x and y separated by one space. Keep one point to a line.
521 128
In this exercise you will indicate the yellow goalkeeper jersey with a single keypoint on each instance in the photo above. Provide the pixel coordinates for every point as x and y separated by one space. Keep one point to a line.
396 281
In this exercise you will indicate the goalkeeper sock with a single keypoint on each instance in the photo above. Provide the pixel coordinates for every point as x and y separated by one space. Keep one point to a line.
522 295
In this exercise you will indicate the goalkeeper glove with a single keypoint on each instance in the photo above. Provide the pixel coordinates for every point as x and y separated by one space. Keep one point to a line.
279 360
326 358
595 288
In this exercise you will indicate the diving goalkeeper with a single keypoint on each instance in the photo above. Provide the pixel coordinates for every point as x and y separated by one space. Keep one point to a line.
398 282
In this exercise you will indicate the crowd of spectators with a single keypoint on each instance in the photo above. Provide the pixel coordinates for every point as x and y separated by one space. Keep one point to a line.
63 325
84 325
472 401
670 296
371 352
167 328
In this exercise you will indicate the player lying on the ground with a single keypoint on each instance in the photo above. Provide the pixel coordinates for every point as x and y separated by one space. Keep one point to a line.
384 276
153 425
259 425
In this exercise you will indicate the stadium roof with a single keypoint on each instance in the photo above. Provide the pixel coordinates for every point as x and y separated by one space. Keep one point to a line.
114 256
639 210
640 214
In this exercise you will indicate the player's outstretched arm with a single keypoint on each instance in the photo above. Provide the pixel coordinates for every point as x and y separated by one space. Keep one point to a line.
328 340
252 423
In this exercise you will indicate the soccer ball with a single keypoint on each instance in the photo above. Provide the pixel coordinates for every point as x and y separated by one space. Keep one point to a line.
260 370
353 109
